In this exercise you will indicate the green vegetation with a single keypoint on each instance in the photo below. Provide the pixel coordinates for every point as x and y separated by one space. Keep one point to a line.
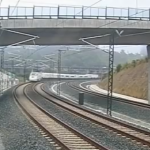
87 58
130 79
118 68
96 58
133 64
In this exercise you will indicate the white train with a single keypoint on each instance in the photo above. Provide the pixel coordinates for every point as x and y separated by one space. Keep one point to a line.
69 76
35 76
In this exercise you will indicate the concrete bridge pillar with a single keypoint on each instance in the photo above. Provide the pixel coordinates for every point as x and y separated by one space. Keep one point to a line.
148 54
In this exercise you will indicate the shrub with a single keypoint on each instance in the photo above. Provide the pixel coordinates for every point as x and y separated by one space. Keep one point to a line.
133 63
118 68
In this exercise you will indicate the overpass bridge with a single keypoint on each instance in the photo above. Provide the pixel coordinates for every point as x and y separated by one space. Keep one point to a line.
66 25
51 24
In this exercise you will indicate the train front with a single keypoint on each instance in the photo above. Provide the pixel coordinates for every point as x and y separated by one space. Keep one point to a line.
33 77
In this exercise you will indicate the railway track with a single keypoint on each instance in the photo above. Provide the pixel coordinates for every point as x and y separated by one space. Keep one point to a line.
141 136
85 90
65 136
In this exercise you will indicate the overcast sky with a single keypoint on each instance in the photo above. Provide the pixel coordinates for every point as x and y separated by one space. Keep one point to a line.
110 3
102 3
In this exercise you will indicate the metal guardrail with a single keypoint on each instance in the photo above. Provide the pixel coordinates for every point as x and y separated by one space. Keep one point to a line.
67 12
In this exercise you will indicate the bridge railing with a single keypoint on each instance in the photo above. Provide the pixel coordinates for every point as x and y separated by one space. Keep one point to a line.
67 12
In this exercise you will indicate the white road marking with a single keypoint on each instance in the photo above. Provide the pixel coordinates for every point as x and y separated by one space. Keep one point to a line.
99 90
95 88
80 85
102 110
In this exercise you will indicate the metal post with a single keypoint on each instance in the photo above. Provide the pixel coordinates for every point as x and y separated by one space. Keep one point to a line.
58 11
1 71
50 66
25 71
53 67
33 11
105 12
81 98
110 75
8 11
12 71
59 72
128 13
7 80
149 14
101 74
1 74
148 56
82 12
37 67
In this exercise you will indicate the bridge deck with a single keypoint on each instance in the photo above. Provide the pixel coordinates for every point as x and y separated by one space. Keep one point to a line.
58 31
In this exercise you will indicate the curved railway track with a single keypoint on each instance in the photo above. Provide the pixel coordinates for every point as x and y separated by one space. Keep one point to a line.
76 86
64 135
136 134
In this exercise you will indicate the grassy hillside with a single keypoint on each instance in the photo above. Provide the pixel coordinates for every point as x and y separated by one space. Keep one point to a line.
131 79
86 57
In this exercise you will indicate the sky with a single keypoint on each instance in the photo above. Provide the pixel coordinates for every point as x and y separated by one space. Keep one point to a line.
101 3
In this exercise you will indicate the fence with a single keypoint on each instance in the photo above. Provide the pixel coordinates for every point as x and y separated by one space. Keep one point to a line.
66 12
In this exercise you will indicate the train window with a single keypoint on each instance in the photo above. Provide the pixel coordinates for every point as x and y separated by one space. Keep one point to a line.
33 74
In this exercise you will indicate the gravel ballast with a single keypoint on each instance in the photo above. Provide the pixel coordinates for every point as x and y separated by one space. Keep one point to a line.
127 118
16 132
99 134
130 110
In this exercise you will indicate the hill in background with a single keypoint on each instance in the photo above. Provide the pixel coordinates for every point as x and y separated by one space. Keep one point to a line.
86 57
131 79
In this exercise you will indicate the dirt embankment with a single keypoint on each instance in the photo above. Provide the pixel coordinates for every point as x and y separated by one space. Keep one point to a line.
132 81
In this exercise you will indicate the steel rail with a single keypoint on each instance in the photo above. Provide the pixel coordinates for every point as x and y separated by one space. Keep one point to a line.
81 138
76 87
113 124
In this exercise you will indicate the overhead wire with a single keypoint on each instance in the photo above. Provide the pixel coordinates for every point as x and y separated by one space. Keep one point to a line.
113 22
76 14
28 56
128 35
132 23
144 10
82 51
15 7
32 39
36 37
50 4
63 22
100 27
119 19
87 7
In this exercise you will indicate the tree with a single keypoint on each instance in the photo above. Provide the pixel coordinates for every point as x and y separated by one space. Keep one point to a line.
133 63
123 52
118 68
